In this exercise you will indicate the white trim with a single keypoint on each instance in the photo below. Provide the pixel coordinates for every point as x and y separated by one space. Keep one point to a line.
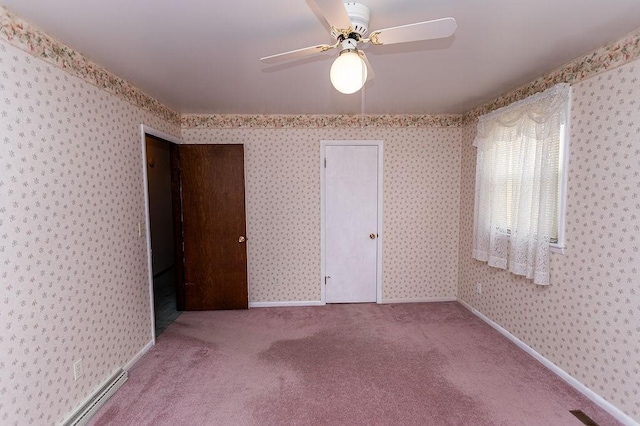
563 168
159 134
380 215
597 399
323 269
380 145
421 300
146 130
285 304
128 366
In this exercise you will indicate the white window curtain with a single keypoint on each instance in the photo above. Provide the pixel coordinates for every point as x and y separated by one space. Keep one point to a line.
516 197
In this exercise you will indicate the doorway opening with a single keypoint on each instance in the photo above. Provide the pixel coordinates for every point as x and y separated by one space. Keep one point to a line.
162 231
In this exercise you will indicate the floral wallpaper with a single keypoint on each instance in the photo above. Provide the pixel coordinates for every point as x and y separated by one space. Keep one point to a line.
73 271
24 35
421 187
587 321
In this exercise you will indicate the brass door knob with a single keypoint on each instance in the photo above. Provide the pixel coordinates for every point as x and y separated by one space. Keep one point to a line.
372 236
242 239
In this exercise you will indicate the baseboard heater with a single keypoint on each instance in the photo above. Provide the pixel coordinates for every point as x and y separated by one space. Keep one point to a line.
102 395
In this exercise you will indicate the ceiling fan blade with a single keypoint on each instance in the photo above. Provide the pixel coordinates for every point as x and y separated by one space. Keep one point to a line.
296 54
334 12
370 74
427 30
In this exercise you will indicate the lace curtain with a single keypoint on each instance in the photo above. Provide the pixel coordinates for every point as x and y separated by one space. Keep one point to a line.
517 173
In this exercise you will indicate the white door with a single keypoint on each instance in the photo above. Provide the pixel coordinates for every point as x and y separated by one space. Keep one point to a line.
351 223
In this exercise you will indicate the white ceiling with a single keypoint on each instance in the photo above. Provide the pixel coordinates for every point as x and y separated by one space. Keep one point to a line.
202 56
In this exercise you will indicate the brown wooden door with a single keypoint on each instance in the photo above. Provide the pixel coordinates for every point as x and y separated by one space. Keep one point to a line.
213 227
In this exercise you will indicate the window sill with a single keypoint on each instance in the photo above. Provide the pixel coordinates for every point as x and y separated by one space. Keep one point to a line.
555 248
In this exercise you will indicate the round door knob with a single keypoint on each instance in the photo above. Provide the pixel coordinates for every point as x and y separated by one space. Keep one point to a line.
242 239
372 236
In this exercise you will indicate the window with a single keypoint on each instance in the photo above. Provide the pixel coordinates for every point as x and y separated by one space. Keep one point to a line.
507 176
520 183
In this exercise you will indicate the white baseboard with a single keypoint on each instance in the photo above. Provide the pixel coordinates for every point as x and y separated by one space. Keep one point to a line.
128 366
284 304
597 399
321 303
420 300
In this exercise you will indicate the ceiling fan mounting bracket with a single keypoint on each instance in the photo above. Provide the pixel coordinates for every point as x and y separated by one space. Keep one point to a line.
348 45
351 35
359 17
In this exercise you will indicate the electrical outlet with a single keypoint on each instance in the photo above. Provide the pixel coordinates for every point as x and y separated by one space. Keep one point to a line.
479 288
78 371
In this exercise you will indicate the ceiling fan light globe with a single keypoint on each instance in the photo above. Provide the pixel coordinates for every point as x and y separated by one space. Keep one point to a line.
348 73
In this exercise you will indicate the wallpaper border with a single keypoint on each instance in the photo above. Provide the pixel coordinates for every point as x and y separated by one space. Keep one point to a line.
311 121
27 37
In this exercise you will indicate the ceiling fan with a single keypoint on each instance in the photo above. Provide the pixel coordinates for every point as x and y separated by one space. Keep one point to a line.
349 26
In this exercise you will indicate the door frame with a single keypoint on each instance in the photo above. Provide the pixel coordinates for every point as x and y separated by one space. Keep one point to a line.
146 130
323 145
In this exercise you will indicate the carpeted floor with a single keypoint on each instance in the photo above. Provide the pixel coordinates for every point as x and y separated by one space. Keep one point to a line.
367 364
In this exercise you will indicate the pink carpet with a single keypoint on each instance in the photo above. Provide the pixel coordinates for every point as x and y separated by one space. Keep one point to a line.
410 364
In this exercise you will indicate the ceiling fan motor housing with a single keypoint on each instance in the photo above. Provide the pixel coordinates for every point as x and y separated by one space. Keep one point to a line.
359 16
